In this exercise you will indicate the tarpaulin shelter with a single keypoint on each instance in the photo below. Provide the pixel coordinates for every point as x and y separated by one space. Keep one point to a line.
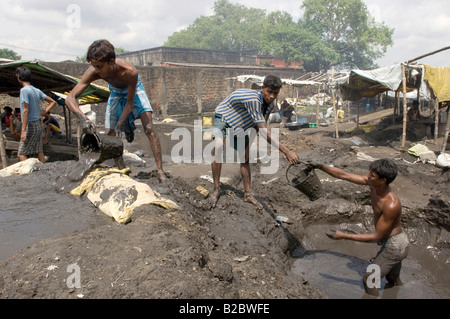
430 83
49 81
369 83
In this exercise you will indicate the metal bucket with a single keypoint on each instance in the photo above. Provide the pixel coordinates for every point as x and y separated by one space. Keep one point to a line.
303 177
107 146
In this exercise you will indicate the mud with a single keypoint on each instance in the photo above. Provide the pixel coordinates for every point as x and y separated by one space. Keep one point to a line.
231 251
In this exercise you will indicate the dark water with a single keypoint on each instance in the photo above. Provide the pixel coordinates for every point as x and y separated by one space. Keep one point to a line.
337 268
31 209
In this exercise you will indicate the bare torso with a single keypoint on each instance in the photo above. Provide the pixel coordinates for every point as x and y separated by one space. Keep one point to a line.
378 205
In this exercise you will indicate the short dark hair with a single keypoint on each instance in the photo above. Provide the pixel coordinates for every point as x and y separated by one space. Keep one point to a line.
23 73
273 82
385 168
101 50
7 108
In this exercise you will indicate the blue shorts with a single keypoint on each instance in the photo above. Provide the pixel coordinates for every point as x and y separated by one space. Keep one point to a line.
117 101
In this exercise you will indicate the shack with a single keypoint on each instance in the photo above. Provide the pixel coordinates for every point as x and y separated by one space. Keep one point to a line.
52 83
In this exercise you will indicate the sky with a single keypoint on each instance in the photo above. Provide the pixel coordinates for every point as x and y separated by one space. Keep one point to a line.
58 30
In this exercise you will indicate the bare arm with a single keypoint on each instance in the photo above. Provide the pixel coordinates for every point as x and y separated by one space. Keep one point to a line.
290 155
71 100
25 114
384 226
341 174
51 103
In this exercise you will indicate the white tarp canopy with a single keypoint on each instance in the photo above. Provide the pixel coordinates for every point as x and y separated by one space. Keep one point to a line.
369 83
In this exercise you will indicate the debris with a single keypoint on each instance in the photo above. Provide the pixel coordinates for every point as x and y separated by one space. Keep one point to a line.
241 259
51 267
268 182
202 191
282 219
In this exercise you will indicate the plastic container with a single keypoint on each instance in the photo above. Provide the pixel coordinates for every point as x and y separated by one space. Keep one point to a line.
313 125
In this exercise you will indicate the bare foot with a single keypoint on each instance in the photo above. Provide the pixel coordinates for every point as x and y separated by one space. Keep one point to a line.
214 198
162 177
249 198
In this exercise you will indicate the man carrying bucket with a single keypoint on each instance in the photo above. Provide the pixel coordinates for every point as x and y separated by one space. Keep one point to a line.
244 110
127 102
387 211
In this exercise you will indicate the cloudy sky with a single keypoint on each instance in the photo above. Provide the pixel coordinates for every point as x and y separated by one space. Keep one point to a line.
57 30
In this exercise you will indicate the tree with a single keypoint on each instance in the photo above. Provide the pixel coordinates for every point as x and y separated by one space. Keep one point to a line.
346 28
9 54
233 27
339 33
291 41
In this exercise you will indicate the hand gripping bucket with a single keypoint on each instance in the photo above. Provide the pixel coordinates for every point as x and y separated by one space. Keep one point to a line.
106 146
303 177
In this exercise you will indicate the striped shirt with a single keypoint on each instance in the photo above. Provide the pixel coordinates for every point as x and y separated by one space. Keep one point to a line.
243 109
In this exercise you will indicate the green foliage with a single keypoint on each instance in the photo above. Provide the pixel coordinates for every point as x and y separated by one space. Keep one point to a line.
348 29
339 33
232 28
9 54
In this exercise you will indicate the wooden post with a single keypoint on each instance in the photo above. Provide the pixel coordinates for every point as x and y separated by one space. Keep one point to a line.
70 127
3 151
318 106
65 122
405 110
444 144
357 114
436 120
334 107
348 111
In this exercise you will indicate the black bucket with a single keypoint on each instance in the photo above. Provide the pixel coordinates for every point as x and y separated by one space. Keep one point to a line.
107 146
304 178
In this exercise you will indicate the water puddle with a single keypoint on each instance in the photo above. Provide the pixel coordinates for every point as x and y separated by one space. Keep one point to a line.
337 268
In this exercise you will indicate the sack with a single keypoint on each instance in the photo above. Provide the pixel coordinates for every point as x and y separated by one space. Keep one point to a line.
443 160
21 168
118 195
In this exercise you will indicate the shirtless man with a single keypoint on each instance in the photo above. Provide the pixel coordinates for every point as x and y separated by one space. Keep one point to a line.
387 219
127 102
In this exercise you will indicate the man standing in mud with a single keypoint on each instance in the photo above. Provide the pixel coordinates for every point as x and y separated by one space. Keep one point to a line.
243 110
127 102
31 130
387 211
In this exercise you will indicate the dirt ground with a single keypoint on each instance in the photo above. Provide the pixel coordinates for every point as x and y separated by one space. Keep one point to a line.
232 251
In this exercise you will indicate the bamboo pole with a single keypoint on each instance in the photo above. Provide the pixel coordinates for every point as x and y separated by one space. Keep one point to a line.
66 122
334 107
436 120
3 151
404 106
318 106
444 144
428 54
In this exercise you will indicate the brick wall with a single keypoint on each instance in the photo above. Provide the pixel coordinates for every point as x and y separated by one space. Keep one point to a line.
183 90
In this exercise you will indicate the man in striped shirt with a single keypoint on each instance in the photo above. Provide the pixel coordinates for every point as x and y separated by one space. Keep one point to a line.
243 110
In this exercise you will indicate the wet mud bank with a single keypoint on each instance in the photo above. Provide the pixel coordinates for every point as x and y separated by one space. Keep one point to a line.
231 251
